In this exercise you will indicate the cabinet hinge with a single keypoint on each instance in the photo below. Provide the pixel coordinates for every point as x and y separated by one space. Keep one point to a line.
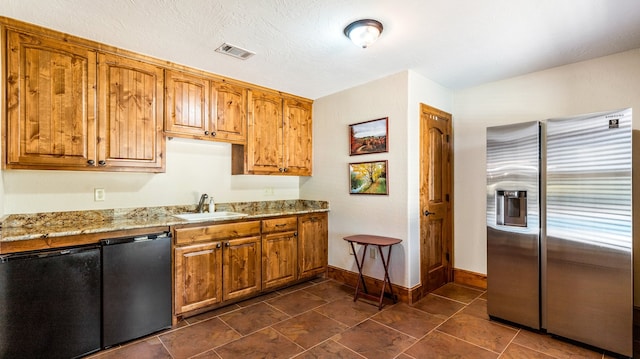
446 197
447 256
447 138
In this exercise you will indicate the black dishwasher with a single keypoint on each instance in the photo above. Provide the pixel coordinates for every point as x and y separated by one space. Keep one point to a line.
136 287
50 303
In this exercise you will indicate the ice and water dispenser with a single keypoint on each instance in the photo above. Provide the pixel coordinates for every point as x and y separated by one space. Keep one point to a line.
511 208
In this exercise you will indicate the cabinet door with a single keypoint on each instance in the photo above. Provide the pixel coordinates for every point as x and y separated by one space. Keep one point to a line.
279 254
297 127
130 114
187 105
50 99
264 133
313 236
198 274
241 267
228 115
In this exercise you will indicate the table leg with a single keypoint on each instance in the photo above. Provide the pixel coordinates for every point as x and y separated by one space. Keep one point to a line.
359 264
386 280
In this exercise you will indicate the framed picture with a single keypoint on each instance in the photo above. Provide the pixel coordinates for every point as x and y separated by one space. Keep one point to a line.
368 178
368 137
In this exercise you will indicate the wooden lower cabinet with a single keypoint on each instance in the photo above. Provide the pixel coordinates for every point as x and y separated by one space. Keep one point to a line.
219 262
313 234
198 276
225 262
279 252
241 267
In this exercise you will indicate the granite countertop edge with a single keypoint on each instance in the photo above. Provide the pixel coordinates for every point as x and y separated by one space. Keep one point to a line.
59 224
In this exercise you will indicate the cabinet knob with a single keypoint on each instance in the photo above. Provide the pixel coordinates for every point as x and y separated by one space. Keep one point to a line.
213 133
295 234
285 169
102 163
91 162
227 244
206 133
218 245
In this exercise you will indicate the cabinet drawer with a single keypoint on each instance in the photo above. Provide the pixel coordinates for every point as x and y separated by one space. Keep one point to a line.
280 224
217 232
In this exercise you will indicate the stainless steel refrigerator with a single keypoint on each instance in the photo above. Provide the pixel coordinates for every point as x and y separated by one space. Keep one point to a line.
560 227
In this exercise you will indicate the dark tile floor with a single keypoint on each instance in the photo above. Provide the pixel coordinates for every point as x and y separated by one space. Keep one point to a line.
319 319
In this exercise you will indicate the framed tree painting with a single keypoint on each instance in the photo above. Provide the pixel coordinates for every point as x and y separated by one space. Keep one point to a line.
368 137
368 178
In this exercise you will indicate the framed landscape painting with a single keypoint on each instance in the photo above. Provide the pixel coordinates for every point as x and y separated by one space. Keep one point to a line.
368 178
368 137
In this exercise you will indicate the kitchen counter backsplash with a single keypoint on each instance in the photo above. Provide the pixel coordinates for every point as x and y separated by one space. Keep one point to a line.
50 224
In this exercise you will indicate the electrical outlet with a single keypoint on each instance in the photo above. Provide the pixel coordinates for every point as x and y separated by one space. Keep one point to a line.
268 191
98 194
372 253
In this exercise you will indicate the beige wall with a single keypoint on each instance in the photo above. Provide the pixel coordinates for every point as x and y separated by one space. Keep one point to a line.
193 167
605 83
396 215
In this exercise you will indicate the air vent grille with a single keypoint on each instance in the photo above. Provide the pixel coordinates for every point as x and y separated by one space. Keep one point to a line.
235 51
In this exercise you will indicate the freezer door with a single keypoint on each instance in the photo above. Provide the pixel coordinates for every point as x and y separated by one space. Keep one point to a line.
513 223
589 230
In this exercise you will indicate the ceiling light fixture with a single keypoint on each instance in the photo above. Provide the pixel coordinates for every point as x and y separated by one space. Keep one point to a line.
363 32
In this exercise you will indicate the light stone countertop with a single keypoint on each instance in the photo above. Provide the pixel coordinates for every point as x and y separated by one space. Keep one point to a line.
17 227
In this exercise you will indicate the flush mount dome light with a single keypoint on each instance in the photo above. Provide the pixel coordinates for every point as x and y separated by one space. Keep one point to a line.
363 32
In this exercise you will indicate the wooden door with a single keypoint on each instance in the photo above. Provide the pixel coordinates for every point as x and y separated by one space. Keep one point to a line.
130 114
198 274
187 105
229 112
241 267
264 133
279 264
297 135
313 236
436 224
50 99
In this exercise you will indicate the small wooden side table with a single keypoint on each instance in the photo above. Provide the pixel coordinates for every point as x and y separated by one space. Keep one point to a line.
379 241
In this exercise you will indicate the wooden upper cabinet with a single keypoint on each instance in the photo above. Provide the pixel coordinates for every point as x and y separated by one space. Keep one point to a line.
229 112
264 133
56 119
297 129
187 105
130 109
278 136
51 111
201 108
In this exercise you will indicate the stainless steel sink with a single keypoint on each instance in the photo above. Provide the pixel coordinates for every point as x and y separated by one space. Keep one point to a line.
210 216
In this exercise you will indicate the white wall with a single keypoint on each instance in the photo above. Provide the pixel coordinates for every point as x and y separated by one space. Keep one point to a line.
193 167
396 215
605 83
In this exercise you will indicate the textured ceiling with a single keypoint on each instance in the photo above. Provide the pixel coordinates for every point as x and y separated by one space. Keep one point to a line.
301 49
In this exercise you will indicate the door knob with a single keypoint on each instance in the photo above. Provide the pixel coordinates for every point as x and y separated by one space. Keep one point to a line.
427 213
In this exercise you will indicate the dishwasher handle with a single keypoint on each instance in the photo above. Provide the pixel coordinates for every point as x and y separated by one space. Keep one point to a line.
45 253
145 237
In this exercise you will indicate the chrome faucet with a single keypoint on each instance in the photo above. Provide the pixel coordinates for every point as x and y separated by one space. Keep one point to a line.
200 207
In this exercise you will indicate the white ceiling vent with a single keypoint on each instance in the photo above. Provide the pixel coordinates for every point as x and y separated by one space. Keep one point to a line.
235 51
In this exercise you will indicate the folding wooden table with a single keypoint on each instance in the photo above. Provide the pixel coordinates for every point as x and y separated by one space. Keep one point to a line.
379 241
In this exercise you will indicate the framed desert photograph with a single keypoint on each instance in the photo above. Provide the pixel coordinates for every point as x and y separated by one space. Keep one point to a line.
368 178
368 137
